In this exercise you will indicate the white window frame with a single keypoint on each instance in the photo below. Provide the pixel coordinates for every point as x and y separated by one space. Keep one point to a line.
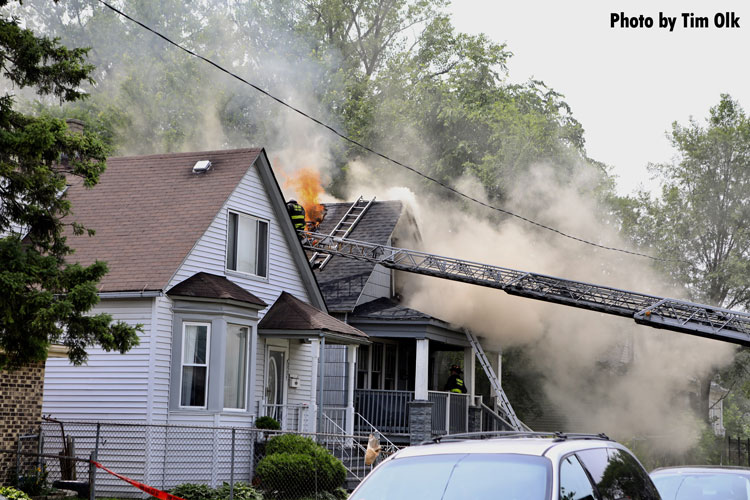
247 367
185 324
267 249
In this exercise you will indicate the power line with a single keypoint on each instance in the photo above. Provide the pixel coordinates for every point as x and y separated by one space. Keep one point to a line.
372 151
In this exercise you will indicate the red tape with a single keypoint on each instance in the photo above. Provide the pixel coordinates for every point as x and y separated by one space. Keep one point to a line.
161 495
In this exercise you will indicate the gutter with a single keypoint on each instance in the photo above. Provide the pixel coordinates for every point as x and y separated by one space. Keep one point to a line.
131 295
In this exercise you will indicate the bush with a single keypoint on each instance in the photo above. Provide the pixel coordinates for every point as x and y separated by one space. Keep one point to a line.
292 443
190 491
269 423
35 484
242 491
296 466
13 494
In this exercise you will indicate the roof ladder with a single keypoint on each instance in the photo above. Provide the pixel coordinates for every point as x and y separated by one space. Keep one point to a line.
502 399
342 229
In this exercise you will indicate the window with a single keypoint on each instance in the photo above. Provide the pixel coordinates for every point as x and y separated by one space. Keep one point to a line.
617 474
574 483
459 476
235 367
194 381
247 244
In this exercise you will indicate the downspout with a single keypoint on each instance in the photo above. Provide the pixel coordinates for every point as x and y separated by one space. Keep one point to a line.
321 355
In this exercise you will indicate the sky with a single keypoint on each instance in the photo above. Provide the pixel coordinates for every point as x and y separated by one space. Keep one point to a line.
625 85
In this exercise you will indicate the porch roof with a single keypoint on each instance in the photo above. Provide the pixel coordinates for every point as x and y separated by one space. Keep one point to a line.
289 317
211 286
386 318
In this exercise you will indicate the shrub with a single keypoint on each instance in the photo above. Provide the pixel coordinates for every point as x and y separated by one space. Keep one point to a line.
297 466
13 494
289 474
190 491
267 422
292 443
242 491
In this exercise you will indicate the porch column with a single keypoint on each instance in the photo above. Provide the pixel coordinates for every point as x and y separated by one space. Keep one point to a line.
315 366
351 359
496 360
469 364
420 370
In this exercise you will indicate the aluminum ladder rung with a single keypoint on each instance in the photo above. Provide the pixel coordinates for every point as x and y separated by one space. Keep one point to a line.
356 211
497 388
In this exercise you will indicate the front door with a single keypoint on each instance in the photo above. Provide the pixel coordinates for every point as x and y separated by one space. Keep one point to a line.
275 377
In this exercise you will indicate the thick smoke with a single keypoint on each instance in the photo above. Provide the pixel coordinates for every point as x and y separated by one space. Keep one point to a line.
607 374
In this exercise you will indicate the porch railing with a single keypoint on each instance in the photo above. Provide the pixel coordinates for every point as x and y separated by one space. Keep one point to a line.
491 421
334 421
450 412
293 418
387 411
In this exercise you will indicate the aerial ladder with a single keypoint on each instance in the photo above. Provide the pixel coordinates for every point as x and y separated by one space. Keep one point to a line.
650 310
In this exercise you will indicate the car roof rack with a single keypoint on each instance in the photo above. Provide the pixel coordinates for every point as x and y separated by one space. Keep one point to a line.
555 436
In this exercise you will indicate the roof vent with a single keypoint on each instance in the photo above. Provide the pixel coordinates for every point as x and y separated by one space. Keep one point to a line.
201 167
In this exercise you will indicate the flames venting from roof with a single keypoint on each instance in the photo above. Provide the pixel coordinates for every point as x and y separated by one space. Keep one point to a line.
306 183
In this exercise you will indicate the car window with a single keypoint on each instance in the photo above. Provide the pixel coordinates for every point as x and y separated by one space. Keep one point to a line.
623 477
700 486
574 483
596 461
458 477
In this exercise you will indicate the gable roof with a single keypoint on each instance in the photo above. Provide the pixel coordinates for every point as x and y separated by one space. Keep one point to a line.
149 211
342 280
388 309
211 286
290 314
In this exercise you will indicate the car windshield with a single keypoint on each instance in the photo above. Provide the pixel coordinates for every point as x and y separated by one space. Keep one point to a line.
459 476
718 486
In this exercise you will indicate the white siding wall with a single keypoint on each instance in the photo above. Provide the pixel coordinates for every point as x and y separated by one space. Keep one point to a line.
378 285
111 386
209 255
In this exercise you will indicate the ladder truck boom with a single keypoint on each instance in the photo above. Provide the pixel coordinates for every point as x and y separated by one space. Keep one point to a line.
650 310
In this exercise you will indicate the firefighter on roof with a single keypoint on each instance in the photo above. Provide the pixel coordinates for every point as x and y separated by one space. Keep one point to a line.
455 382
297 214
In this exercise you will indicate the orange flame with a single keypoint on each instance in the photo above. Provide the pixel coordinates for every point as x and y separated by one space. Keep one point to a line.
306 183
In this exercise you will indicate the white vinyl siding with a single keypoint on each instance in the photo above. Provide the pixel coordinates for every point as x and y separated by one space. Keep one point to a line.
209 253
110 386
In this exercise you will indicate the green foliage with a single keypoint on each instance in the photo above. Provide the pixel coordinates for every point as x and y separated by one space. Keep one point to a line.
267 422
296 467
435 96
35 483
42 299
242 491
700 221
292 443
13 494
191 491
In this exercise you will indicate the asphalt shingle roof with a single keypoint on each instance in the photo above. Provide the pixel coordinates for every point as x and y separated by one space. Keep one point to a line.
387 309
148 212
342 280
211 286
290 313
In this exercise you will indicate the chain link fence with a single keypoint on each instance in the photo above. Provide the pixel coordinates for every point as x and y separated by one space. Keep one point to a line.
223 458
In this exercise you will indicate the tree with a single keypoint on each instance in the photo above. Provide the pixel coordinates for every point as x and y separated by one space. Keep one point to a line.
700 221
43 299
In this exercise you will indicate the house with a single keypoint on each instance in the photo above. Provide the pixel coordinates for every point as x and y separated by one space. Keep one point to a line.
202 254
407 363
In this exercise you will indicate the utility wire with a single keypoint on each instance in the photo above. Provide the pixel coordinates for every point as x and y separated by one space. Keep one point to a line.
372 151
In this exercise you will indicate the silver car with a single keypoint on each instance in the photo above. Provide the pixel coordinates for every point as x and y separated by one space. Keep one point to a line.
511 466
702 482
